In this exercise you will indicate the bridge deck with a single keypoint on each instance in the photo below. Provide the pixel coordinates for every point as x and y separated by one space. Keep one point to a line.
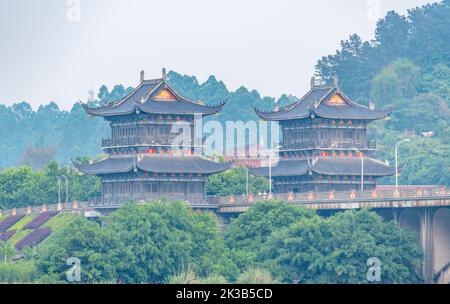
410 197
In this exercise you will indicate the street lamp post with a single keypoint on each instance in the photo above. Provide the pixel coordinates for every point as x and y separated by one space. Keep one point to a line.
67 188
270 168
246 177
362 171
362 168
59 189
270 173
396 160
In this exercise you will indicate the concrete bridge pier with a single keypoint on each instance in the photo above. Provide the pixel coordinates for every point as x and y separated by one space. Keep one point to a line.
427 241
432 226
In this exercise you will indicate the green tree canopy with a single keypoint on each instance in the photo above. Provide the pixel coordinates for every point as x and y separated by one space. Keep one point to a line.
336 250
139 244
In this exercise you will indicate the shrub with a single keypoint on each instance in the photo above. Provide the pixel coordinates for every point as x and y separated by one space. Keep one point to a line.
35 237
7 235
9 221
40 219
255 276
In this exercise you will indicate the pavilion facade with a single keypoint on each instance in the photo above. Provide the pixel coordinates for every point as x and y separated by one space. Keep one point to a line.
152 151
324 144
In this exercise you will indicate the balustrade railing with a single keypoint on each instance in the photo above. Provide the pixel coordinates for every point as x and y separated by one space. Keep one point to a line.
192 199
419 193
330 144
129 141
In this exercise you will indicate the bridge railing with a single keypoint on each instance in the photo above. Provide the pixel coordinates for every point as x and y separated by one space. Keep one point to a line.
112 201
71 206
353 195
382 193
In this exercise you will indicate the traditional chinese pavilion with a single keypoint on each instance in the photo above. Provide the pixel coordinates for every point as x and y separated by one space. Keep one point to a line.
146 157
324 143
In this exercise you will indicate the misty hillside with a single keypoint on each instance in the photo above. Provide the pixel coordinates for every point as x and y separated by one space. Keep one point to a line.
406 66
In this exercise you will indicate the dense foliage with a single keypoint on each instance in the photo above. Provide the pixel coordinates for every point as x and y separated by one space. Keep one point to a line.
234 181
22 187
336 250
248 234
273 242
406 66
298 246
139 244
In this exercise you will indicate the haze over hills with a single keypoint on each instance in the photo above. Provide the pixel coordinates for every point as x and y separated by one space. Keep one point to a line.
388 71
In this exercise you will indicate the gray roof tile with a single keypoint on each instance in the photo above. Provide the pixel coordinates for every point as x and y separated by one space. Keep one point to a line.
155 164
327 166
315 103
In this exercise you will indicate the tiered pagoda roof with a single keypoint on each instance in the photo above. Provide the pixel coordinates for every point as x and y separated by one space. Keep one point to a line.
325 102
154 164
153 96
332 165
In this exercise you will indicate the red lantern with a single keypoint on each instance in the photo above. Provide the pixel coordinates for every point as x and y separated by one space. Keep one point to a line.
331 195
290 196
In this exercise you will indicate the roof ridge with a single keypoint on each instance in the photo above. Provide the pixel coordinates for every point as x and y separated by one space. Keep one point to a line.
145 99
181 97
330 89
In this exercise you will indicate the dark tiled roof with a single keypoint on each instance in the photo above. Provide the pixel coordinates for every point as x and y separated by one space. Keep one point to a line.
168 106
315 102
155 164
108 165
143 99
327 166
350 166
284 168
181 164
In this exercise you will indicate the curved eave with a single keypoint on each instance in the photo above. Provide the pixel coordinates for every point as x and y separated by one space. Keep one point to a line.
207 110
154 164
353 173
335 166
185 165
376 115
106 111
284 168
101 167
278 115
332 167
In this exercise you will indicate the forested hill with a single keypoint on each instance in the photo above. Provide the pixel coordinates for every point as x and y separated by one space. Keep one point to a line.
407 66
34 137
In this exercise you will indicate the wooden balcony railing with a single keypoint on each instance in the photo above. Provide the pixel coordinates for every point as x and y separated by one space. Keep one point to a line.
130 141
330 144
422 196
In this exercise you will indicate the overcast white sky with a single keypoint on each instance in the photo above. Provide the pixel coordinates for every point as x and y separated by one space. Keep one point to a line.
47 54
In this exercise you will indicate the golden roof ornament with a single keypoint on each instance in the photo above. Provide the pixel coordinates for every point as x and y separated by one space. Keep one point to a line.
164 74
313 82
335 80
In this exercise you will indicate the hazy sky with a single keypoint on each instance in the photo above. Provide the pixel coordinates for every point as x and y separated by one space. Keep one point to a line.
49 52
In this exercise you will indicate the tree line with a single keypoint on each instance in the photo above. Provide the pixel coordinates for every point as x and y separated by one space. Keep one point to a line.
167 242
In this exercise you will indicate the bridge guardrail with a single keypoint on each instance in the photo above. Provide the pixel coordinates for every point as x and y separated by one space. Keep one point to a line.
196 201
